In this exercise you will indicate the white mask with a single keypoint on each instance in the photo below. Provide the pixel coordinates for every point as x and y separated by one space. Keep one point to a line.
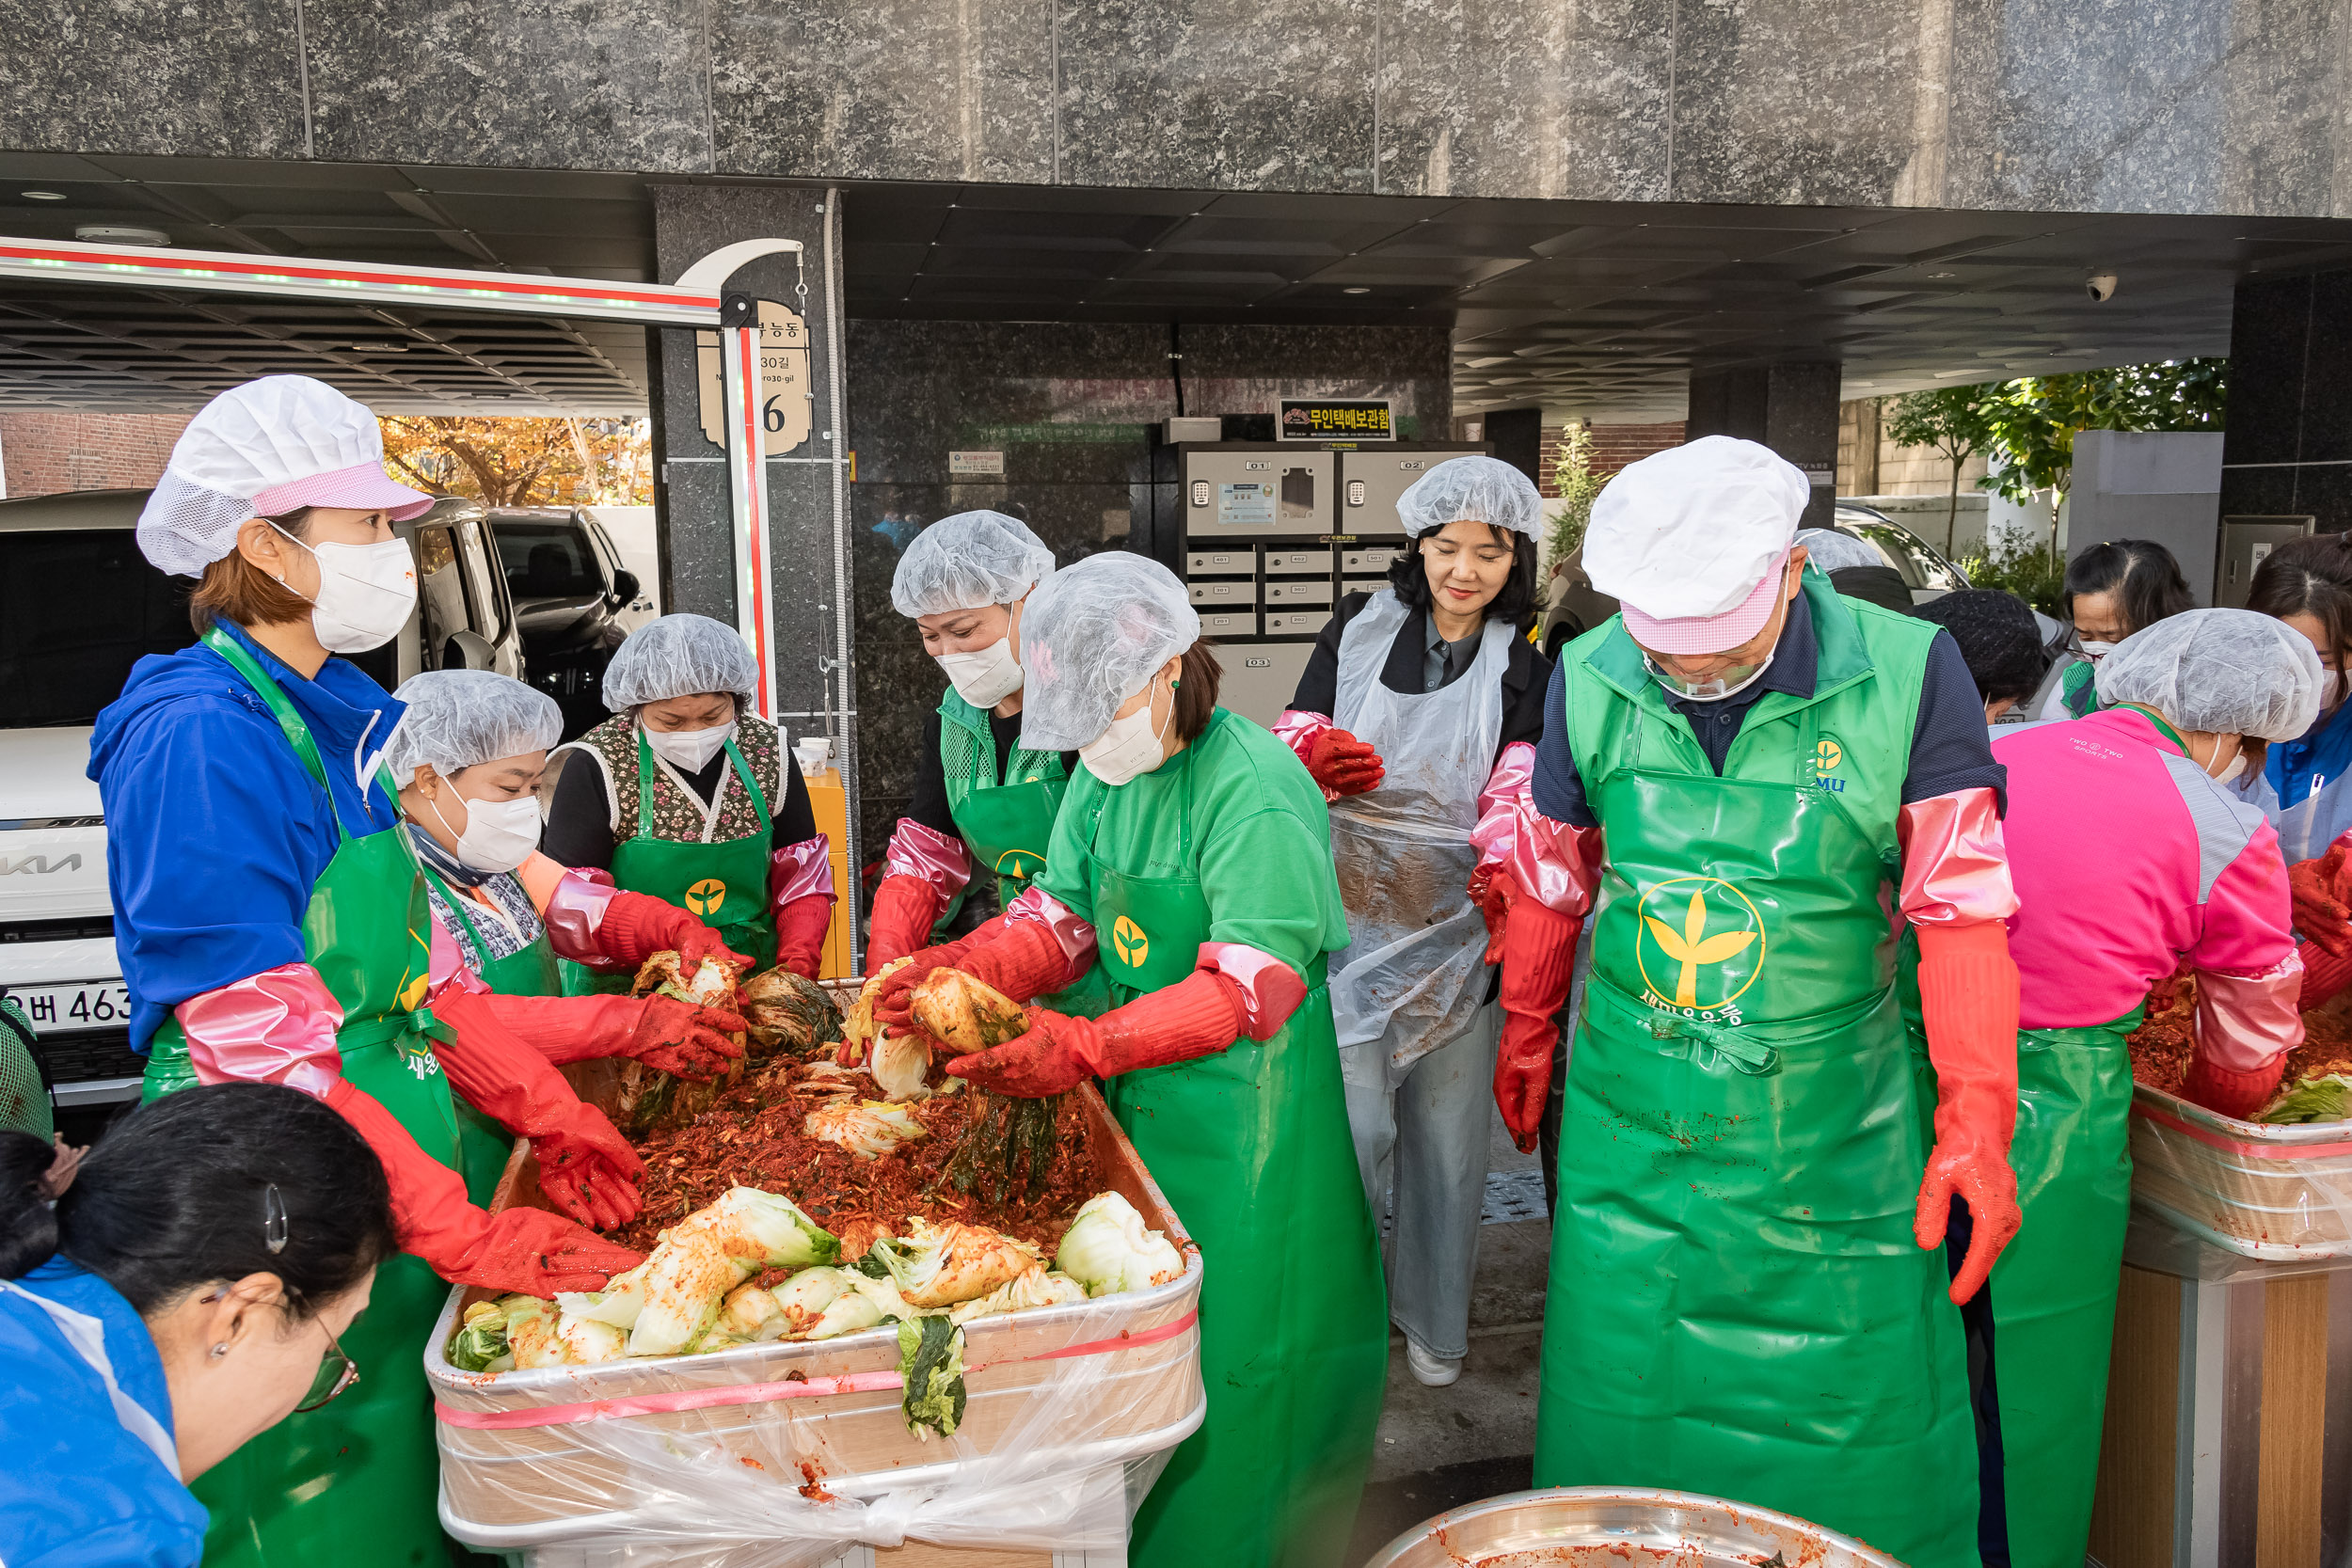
984 678
690 751
1714 688
2097 651
1128 747
499 834
366 593
2238 765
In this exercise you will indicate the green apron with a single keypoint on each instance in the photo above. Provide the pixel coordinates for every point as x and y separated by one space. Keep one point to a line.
725 883
2078 689
482 1143
1253 1148
1005 827
1737 1306
2052 1291
356 1481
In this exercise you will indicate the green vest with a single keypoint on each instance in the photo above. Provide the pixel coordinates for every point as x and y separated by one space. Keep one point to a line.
1005 824
1737 1306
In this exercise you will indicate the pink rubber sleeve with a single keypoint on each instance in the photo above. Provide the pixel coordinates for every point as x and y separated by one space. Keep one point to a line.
1271 989
573 909
929 856
2245 1021
1497 803
1955 867
1298 730
802 870
1073 935
447 967
275 1027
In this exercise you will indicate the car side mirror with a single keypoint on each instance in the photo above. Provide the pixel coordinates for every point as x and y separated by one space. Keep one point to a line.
468 650
625 586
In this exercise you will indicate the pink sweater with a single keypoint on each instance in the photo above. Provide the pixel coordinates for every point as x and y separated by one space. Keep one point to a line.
2126 857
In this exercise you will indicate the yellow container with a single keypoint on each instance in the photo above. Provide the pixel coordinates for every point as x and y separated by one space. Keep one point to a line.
830 804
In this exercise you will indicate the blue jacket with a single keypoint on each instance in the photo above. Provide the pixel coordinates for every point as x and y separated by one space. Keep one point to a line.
215 833
77 1490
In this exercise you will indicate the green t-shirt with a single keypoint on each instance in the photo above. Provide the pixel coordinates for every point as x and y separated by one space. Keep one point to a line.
1234 809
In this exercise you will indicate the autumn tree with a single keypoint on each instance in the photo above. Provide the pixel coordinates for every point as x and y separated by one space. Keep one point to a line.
522 461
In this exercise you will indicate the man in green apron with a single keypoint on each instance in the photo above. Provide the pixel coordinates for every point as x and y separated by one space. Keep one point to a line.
1195 843
690 797
466 759
271 925
1749 771
984 803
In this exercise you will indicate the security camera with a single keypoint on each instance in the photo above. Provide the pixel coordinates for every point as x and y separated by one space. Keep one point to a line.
2100 285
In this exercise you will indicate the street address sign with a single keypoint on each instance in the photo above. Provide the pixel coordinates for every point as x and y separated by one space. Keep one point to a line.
784 400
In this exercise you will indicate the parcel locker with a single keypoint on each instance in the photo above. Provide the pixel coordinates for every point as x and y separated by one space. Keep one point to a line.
1371 480
1231 496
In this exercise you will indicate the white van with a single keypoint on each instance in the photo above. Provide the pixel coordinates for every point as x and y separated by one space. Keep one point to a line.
78 607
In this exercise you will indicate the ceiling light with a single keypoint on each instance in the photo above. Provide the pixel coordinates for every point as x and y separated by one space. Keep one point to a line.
118 234
379 348
1942 275
1355 289
43 195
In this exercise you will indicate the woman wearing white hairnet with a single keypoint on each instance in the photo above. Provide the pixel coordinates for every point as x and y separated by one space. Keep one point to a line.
689 795
1197 852
1417 702
984 803
273 926
466 758
2173 867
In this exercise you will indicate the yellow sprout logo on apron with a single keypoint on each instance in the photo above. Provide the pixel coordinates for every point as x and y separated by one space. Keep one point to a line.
706 895
1023 864
1827 757
1688 931
1129 942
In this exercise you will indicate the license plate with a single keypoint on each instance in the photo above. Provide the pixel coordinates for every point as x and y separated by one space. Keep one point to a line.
92 1004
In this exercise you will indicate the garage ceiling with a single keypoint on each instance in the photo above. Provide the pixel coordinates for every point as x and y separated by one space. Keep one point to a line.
1601 309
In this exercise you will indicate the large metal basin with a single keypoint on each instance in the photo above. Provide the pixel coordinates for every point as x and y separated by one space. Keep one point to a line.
1607 1527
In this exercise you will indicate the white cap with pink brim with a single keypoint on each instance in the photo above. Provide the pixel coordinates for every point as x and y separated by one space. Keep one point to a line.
1692 542
261 450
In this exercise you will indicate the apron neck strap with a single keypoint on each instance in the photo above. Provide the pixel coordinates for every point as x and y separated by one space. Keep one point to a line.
281 708
457 907
2163 726
743 768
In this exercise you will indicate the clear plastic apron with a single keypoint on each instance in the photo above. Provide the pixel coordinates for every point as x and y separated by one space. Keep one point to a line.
1413 967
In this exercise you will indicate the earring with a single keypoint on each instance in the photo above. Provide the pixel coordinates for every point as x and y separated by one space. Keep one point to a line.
1173 685
219 1350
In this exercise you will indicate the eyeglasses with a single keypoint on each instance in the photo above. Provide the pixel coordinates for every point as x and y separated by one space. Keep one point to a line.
336 1371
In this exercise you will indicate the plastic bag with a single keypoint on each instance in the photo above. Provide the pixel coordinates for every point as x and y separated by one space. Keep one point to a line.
2280 1194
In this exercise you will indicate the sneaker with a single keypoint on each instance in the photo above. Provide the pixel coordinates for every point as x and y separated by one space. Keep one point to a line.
1431 1371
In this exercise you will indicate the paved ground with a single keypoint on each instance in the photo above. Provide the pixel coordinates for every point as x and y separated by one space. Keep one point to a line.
1440 1447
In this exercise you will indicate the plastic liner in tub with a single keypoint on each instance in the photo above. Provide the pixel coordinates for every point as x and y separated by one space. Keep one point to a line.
800 1449
2278 1193
1608 1527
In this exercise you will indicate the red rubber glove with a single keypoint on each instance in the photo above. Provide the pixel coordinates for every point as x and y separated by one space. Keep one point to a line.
800 927
523 1249
1197 1016
636 926
2325 974
1538 952
1496 892
905 910
585 1167
1020 958
1968 997
1343 763
2316 886
660 1030
2232 1094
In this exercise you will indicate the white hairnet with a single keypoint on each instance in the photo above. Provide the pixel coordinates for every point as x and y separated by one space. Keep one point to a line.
1482 489
1090 638
1833 551
679 656
2228 670
968 561
259 450
459 718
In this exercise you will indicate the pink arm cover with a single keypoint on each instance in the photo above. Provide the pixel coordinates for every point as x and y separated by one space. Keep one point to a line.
447 967
1557 865
802 870
1270 990
571 901
275 1027
2250 975
1072 935
1955 868
1298 730
928 855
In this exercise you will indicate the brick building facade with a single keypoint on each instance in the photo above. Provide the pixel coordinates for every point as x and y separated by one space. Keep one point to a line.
43 452
1614 445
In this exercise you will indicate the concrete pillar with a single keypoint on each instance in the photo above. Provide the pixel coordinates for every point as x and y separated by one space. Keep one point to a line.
1791 408
2287 450
806 488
